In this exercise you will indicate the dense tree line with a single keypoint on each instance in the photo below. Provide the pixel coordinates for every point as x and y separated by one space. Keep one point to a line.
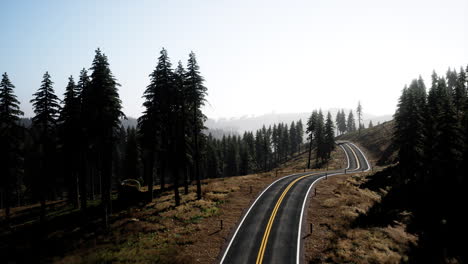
252 152
345 125
78 149
432 137
321 136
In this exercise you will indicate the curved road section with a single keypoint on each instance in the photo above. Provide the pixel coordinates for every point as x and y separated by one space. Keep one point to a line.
270 231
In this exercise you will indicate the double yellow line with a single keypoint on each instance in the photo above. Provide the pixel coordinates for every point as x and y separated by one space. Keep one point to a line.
266 234
261 252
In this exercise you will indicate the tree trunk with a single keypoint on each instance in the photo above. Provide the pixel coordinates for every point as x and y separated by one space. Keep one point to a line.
162 176
196 156
7 206
186 182
148 170
107 182
176 171
197 169
82 182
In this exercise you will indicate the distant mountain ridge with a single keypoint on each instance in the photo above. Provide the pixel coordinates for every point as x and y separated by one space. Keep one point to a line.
252 123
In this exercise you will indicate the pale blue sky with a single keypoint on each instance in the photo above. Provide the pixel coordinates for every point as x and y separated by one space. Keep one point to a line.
256 56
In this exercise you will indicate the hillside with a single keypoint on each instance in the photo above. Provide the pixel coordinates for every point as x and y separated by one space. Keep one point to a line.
377 142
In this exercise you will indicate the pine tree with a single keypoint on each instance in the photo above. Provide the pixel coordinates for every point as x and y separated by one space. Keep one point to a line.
351 124
70 125
337 121
10 155
153 125
329 136
343 127
285 142
46 108
359 113
311 127
102 107
182 131
293 138
85 160
259 153
267 147
448 144
299 134
196 93
460 93
320 139
275 138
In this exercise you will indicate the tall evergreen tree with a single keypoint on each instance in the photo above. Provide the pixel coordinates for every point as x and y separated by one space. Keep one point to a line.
196 93
293 138
46 108
320 139
182 131
359 113
83 90
275 138
311 128
299 134
343 125
460 93
329 136
102 107
10 155
70 125
351 124
152 125
409 129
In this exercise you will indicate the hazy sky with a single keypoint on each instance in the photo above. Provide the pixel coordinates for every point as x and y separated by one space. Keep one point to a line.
256 56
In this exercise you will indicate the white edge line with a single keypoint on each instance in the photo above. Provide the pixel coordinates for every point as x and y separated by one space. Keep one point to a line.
299 234
365 158
248 211
347 157
303 204
357 159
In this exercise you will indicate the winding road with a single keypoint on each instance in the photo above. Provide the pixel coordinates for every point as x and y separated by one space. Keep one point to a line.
271 230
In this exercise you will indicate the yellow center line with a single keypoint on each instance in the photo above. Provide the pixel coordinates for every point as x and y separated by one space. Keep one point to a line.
266 234
355 156
261 252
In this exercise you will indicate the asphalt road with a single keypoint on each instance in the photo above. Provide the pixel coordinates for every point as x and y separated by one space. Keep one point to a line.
271 230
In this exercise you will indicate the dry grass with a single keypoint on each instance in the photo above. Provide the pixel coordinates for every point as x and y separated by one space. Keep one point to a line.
338 202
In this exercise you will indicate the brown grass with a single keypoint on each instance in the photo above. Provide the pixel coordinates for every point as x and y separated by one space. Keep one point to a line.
338 202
